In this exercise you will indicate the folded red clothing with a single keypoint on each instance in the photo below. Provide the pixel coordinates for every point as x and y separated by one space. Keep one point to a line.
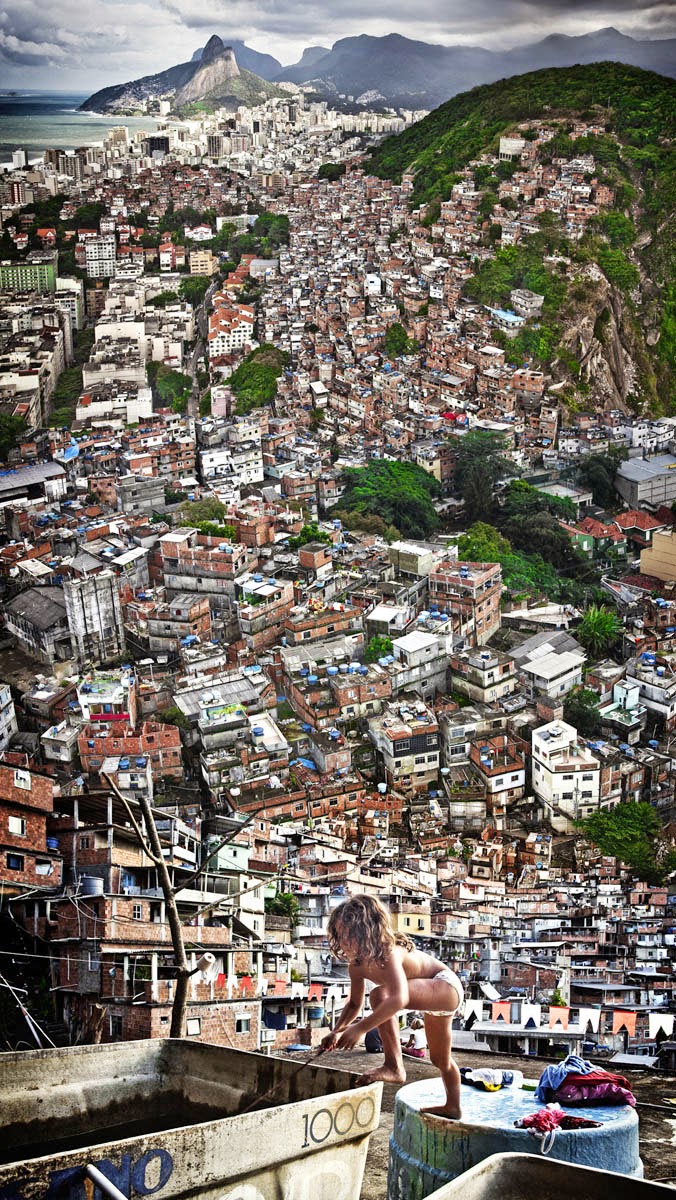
598 1075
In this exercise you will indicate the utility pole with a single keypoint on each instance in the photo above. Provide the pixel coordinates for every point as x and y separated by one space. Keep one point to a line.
154 852
153 848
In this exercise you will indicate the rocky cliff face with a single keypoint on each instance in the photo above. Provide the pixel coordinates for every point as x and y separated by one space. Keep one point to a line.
217 67
607 341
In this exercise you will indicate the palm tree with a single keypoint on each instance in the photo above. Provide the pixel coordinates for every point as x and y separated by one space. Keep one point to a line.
599 630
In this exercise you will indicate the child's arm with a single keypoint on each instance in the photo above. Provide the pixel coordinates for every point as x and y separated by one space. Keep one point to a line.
394 993
351 1010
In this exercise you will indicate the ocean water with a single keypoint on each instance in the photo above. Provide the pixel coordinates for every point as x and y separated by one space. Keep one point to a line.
35 121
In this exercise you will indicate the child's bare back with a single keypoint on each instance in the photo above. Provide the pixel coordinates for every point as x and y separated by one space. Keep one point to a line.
404 977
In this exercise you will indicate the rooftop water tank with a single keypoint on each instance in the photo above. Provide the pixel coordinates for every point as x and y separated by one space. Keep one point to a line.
313 678
331 670
91 885
258 730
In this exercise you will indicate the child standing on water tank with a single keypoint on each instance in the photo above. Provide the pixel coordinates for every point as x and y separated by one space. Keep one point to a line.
360 932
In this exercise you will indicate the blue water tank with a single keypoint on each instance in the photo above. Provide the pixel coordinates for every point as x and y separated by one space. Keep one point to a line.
313 678
331 670
258 730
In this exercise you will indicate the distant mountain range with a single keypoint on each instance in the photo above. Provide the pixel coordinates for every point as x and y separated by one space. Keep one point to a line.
401 71
212 80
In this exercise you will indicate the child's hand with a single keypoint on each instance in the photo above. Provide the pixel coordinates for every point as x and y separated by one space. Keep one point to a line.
328 1042
349 1038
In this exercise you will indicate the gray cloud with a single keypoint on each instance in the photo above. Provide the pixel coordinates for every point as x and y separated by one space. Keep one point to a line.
108 41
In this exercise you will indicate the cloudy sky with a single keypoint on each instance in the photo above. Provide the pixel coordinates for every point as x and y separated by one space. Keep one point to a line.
86 44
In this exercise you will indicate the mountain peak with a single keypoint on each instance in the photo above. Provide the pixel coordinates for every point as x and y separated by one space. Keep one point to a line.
213 49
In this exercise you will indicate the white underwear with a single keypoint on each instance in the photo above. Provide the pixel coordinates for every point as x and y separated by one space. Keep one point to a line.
446 975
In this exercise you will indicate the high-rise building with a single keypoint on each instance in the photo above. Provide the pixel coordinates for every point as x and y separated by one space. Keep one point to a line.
35 273
100 256
94 617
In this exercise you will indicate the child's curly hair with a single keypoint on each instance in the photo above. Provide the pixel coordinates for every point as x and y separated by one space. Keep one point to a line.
365 920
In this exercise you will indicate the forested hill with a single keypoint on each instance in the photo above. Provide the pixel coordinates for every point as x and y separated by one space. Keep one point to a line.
639 105
620 332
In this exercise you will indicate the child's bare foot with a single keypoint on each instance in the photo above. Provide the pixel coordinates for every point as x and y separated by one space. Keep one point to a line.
384 1074
443 1110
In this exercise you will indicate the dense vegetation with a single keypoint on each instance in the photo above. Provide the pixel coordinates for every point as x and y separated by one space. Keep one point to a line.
631 833
509 521
642 111
399 493
69 384
635 159
255 380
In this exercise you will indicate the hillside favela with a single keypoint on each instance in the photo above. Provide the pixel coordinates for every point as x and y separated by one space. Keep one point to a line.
338 625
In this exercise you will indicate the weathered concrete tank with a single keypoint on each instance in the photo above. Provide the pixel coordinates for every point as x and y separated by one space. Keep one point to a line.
177 1118
513 1176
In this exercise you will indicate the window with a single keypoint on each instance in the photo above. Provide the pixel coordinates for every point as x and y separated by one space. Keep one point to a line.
420 758
17 826
94 961
15 862
513 778
421 923
431 758
193 1026
137 912
242 1024
115 1027
85 842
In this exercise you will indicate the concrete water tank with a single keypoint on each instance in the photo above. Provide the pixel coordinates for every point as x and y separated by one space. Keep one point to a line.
179 1119
426 1151
512 1176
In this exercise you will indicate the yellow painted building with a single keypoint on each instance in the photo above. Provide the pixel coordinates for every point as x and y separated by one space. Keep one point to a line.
659 559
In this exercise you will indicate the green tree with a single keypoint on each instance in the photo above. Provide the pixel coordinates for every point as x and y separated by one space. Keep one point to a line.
597 472
599 630
396 493
377 647
172 387
255 380
331 171
194 288
580 709
194 512
397 342
283 905
309 533
557 999
11 431
174 716
479 463
482 543
629 832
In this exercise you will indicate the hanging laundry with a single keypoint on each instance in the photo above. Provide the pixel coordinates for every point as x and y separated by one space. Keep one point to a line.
558 1016
660 1021
626 1020
474 1011
531 1014
592 1017
501 1010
